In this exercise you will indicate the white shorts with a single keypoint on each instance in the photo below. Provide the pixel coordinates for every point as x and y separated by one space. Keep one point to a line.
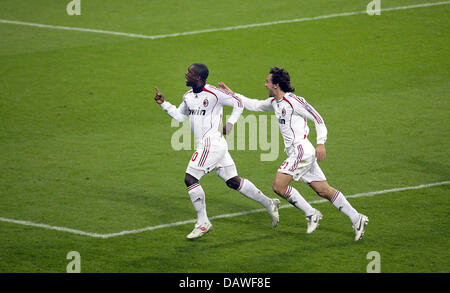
212 155
302 163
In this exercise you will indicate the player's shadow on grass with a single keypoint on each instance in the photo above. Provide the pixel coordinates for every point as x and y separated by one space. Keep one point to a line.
335 237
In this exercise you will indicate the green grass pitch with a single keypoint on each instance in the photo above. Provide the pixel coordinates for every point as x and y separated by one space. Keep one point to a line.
84 146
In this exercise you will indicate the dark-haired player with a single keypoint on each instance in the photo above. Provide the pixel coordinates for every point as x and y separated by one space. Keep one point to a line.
292 112
203 105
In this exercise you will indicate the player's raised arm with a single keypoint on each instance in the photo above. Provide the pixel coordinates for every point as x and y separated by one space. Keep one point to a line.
159 97
253 105
178 114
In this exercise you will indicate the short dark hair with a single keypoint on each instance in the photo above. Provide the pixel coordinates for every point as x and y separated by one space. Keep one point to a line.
200 70
281 77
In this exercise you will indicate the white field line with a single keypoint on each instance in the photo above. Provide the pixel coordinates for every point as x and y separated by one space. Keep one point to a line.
151 228
245 26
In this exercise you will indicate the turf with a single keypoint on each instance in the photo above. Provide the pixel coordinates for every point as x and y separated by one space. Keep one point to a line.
84 146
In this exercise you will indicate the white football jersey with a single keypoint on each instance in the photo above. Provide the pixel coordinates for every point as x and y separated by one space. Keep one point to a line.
205 110
292 112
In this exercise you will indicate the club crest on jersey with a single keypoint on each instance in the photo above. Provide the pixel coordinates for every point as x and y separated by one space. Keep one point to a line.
283 112
205 103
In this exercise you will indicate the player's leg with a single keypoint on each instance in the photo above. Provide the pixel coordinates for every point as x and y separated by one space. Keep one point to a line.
282 188
323 189
226 169
248 189
208 153
300 159
197 196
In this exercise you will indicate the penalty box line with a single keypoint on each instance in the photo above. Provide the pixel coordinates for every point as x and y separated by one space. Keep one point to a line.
151 228
229 28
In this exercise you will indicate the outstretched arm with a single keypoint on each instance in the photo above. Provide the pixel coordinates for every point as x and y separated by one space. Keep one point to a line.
250 104
225 88
178 114
159 97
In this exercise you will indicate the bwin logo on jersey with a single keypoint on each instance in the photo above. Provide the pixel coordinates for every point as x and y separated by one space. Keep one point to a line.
281 121
197 112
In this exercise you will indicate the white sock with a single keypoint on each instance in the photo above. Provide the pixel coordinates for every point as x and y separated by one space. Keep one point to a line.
297 200
197 196
340 202
248 189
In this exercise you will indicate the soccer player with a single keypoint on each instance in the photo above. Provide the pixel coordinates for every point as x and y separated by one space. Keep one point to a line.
302 163
203 105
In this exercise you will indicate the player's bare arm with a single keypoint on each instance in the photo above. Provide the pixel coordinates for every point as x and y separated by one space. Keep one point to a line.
159 97
321 153
227 128
226 88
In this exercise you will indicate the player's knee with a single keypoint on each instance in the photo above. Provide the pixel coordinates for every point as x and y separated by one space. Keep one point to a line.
324 191
189 180
321 193
278 188
234 182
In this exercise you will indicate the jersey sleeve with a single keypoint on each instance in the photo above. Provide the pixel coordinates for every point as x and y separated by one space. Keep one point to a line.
179 114
255 105
232 101
304 109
